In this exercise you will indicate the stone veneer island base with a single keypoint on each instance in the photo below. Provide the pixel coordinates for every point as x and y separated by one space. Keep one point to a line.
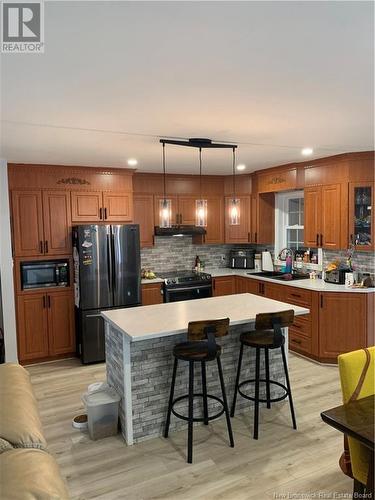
139 343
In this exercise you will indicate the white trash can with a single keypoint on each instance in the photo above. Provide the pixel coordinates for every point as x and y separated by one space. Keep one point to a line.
102 412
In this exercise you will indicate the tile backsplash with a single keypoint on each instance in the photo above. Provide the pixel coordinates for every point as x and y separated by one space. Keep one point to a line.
178 253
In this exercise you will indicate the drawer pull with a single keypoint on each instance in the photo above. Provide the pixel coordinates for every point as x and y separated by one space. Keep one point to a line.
296 341
296 326
295 295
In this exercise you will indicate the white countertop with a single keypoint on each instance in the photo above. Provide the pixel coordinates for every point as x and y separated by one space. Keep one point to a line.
162 320
317 285
145 281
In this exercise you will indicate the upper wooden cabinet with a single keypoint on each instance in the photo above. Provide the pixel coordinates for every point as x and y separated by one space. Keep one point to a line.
264 230
215 220
41 223
144 216
241 232
96 206
323 217
361 215
27 219
56 222
186 210
87 206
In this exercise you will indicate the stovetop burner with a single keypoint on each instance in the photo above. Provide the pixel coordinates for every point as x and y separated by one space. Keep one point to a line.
184 277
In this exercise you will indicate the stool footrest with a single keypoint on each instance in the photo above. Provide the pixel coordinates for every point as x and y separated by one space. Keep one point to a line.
272 400
198 419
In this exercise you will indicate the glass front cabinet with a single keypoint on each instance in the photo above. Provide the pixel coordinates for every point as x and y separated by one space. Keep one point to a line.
361 215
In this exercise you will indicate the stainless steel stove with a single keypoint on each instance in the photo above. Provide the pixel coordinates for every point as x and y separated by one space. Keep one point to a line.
186 285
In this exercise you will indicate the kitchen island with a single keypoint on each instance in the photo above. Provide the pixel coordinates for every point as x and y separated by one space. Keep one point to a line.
139 343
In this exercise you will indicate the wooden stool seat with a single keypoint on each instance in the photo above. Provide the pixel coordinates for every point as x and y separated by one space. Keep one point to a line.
195 351
262 339
200 347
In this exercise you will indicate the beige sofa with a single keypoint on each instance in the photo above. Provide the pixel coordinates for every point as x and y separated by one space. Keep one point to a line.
27 470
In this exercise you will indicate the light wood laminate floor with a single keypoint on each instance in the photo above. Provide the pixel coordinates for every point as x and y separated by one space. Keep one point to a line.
283 463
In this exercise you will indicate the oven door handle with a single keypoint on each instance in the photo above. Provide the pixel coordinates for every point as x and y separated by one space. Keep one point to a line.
189 288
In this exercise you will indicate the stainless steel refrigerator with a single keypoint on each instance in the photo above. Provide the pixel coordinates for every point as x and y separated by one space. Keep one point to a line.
107 275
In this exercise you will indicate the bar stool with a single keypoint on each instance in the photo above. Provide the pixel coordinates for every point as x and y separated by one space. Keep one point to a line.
200 348
267 335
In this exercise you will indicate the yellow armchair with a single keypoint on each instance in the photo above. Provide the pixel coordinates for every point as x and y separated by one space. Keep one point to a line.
357 385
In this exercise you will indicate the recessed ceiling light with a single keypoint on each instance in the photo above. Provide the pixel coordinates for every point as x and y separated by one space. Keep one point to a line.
132 162
241 166
307 151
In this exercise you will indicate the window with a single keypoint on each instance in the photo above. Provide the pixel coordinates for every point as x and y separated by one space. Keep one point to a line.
289 221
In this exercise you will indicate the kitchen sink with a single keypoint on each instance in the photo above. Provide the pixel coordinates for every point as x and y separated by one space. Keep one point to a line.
278 275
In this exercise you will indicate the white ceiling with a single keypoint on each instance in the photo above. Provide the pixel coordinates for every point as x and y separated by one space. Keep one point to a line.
271 76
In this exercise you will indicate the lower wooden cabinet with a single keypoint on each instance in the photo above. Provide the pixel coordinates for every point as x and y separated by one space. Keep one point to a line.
224 285
152 293
45 325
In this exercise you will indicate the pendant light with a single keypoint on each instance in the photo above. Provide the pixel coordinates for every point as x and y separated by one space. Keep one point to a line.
234 205
201 204
165 205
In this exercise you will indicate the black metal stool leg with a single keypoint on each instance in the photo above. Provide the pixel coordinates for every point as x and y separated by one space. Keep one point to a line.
288 387
204 390
268 388
225 403
191 402
237 381
170 403
256 402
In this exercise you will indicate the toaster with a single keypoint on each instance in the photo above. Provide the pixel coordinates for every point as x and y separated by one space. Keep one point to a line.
336 276
242 258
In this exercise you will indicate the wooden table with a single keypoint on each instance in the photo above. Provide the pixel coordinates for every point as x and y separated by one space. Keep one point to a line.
356 420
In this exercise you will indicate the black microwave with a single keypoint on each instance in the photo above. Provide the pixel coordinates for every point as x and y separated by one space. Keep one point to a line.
42 274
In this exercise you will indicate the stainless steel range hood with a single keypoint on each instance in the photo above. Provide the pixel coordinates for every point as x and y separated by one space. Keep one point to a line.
179 231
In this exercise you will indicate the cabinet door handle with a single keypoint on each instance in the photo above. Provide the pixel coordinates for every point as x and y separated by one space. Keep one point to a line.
321 241
321 300
297 326
295 341
256 237
49 301
44 301
317 239
295 295
100 213
105 213
46 246
351 239
248 237
41 246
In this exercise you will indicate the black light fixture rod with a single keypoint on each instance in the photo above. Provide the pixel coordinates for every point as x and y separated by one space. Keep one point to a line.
199 143
164 173
200 172
234 173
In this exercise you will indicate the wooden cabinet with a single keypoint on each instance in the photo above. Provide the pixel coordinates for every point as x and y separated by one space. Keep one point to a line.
241 232
361 215
144 216
56 222
224 285
322 216
41 223
87 206
45 325
152 293
186 210
32 327
264 230
60 310
241 284
215 220
27 219
96 206
342 323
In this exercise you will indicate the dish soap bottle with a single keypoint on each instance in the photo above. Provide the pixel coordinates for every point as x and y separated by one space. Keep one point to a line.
288 264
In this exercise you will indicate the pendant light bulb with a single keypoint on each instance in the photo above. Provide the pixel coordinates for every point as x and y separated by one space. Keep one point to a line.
200 205
234 205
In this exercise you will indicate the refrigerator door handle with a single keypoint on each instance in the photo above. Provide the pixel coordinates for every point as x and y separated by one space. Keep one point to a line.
93 315
110 263
113 257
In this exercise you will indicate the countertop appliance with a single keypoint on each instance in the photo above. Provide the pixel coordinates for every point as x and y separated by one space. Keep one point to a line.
107 275
44 274
186 285
336 276
242 258
267 264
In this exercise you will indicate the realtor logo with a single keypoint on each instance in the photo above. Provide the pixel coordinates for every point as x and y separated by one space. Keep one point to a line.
22 27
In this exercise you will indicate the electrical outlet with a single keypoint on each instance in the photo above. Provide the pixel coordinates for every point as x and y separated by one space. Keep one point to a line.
223 258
